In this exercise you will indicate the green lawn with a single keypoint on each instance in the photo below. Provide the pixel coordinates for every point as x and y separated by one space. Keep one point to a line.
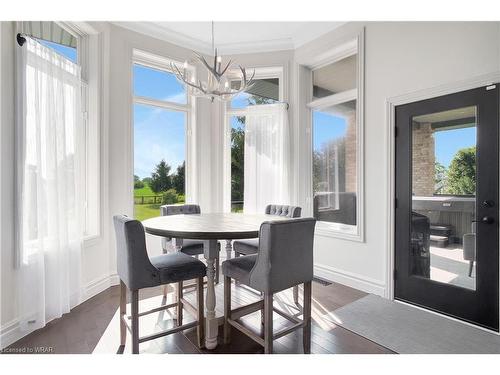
146 211
146 190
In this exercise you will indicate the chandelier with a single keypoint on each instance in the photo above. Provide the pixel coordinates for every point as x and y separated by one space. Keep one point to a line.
217 86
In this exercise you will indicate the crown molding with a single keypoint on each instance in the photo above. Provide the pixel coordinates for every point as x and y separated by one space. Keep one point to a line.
166 34
159 32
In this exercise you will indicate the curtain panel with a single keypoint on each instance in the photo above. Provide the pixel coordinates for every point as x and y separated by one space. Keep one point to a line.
49 203
267 157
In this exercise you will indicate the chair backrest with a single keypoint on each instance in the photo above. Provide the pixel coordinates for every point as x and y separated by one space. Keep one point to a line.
285 256
133 264
283 210
179 209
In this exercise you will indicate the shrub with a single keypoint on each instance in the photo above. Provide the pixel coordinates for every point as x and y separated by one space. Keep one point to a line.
169 197
138 184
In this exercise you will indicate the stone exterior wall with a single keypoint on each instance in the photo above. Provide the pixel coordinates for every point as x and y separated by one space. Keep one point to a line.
423 159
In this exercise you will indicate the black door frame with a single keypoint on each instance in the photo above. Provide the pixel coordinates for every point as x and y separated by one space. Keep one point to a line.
434 295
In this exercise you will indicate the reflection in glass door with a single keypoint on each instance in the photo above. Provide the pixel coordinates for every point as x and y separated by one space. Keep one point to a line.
443 235
446 227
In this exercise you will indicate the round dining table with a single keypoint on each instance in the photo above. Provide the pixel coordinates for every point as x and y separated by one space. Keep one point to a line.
210 228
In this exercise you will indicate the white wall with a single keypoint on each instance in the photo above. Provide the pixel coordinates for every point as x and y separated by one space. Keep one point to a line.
399 58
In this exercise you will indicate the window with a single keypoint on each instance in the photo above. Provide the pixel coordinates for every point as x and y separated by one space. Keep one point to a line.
54 36
266 89
334 163
161 117
335 143
78 45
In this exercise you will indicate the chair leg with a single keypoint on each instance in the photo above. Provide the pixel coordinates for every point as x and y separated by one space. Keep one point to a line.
307 317
135 321
471 264
200 329
123 313
217 261
268 323
227 309
296 294
179 303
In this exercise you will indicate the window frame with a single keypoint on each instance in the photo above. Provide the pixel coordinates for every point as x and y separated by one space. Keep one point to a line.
354 46
89 55
162 63
266 72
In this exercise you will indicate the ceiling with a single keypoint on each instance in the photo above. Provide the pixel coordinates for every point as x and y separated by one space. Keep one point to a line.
234 37
334 78
453 114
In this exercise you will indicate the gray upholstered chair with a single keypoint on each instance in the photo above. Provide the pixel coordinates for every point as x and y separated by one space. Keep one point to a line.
284 260
251 246
469 247
137 271
189 247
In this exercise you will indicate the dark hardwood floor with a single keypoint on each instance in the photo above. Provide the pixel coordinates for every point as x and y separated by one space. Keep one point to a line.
93 327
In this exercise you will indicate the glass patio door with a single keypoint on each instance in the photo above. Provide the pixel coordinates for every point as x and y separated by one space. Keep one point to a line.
446 236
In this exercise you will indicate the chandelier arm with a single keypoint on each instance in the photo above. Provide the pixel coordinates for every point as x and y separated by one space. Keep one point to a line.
215 60
227 66
179 76
209 68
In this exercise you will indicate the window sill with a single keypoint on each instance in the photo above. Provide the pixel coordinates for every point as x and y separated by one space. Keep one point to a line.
340 231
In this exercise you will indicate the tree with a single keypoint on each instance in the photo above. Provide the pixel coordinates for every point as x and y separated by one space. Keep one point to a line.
461 176
138 184
439 178
147 180
178 180
160 178
237 163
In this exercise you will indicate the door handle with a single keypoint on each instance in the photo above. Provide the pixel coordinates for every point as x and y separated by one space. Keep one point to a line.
485 220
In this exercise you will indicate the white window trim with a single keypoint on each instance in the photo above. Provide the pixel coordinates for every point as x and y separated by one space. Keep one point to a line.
339 52
228 112
89 59
163 63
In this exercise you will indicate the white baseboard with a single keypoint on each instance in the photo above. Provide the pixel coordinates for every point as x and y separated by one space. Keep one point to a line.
99 285
10 332
353 280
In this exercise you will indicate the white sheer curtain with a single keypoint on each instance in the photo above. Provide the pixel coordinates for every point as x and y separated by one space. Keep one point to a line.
49 204
267 157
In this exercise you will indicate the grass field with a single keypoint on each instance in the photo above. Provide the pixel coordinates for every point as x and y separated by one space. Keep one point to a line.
146 190
148 210
145 211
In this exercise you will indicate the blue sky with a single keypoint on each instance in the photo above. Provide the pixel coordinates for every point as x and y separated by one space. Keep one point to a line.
158 133
448 142
68 52
327 127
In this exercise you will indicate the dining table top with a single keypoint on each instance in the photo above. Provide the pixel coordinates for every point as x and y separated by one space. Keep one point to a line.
209 226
